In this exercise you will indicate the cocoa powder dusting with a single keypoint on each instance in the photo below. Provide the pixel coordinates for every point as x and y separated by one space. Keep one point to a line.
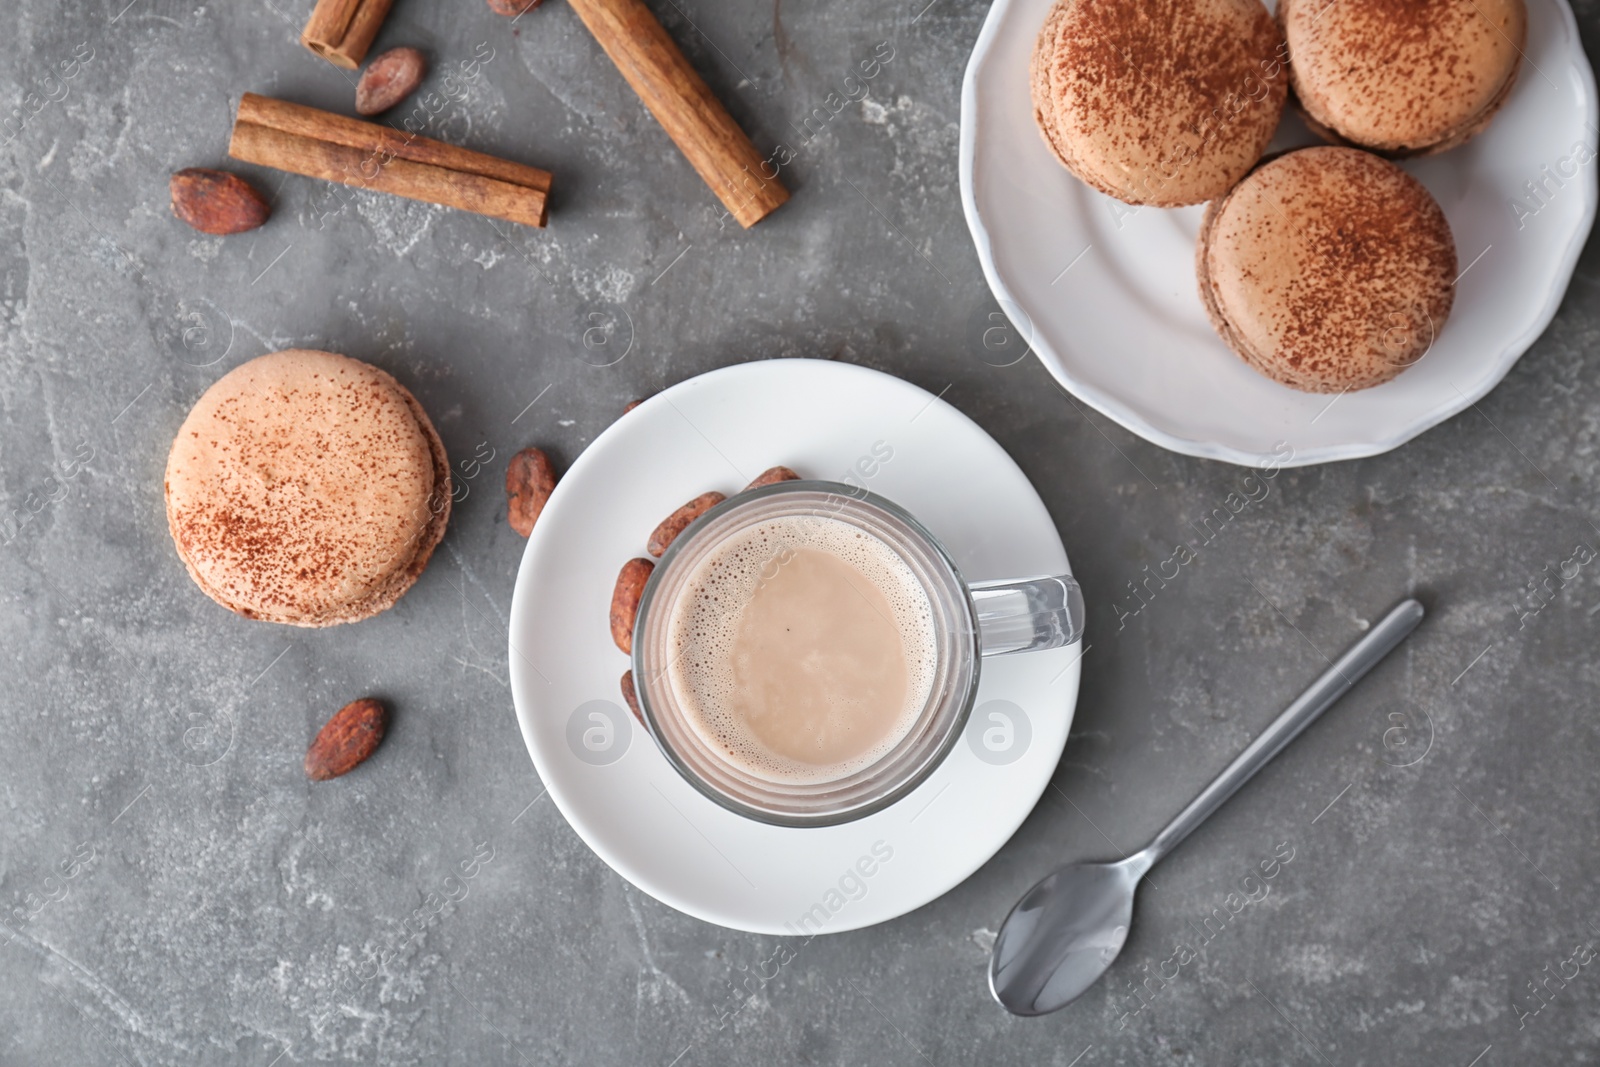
1161 101
1341 266
310 495
1403 75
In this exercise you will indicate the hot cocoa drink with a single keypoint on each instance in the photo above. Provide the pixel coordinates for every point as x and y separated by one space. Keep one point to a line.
802 647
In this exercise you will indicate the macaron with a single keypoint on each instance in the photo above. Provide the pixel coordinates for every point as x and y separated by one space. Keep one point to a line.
1402 77
1327 269
1160 102
307 488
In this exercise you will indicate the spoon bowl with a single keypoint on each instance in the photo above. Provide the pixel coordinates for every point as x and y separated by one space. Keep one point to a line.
1063 934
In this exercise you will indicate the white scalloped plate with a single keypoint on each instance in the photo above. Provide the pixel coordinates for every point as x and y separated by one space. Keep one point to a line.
1106 294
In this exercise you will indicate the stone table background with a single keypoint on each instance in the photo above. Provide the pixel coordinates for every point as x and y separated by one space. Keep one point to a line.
222 910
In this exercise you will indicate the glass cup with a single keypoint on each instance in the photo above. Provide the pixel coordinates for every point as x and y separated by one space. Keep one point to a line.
971 621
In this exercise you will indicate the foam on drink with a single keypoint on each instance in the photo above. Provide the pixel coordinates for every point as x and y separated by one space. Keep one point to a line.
803 648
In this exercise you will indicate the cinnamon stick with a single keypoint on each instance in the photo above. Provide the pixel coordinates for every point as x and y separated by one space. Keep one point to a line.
341 31
320 144
684 105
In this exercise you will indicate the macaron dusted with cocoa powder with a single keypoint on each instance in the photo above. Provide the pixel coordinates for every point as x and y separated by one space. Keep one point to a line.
307 488
1160 102
1327 269
1402 77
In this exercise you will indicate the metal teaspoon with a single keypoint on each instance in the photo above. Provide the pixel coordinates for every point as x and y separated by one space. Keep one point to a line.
1065 932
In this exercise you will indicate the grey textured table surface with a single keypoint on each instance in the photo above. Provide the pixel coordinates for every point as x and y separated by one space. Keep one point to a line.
220 910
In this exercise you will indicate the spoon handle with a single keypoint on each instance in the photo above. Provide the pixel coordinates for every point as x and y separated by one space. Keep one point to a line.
1377 643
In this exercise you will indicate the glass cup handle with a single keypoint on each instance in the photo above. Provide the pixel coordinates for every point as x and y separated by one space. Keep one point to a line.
1026 614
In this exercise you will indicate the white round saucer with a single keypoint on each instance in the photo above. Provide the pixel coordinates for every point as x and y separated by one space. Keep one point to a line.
1106 295
718 431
